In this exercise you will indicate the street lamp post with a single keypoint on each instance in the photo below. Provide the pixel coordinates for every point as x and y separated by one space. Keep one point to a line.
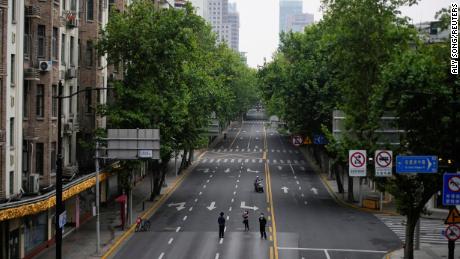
59 164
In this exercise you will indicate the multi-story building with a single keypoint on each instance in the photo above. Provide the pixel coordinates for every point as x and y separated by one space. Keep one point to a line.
224 21
288 8
292 17
297 22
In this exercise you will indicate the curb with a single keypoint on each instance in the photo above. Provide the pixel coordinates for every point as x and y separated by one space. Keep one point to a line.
152 210
334 195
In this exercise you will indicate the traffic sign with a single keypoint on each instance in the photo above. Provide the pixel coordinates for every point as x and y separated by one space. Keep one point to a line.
383 163
297 140
319 139
62 219
452 232
307 141
453 217
357 162
416 164
451 189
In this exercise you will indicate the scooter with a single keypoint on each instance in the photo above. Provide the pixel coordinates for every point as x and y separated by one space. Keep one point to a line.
258 186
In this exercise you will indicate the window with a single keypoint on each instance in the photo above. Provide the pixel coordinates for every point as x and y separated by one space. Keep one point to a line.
13 11
25 157
70 151
99 16
12 132
54 101
25 100
89 53
40 101
41 41
79 52
88 99
53 157
63 49
26 38
72 50
71 100
64 4
11 182
89 10
55 43
12 72
39 158
73 5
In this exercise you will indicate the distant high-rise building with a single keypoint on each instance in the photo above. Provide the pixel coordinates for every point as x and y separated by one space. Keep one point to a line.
297 23
224 19
291 16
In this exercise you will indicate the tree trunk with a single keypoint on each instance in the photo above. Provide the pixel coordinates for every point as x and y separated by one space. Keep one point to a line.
338 179
156 180
409 242
190 157
183 160
351 197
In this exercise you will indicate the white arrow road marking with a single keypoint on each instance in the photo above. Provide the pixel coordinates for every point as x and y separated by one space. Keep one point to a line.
314 190
243 206
179 205
249 170
227 170
205 170
212 206
285 189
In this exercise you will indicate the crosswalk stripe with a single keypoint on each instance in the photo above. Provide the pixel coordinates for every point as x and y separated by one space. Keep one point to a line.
273 150
237 150
260 150
205 160
296 162
218 150
274 161
284 150
260 160
225 160
231 150
282 161
233 160
218 160
242 150
302 161
288 161
246 161
253 160
239 160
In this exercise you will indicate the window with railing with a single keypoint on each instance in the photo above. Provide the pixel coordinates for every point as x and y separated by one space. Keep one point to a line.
40 101
55 43
63 48
54 101
26 38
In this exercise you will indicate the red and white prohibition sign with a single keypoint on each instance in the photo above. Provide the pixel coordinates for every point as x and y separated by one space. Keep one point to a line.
357 159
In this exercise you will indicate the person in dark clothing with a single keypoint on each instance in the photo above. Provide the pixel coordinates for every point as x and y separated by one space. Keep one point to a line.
262 223
221 221
246 220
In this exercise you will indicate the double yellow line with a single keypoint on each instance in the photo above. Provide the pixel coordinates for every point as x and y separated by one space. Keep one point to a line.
274 248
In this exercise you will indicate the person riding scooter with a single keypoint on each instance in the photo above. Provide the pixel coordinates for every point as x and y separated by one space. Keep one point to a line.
258 186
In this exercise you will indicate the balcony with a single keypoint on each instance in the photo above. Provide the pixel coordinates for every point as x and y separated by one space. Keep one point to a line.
4 4
31 74
32 11
70 18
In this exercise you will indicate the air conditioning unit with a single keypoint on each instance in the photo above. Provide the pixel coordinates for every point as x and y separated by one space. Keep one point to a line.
33 183
68 128
71 73
46 65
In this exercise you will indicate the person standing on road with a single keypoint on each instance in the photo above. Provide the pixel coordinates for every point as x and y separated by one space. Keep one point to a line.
246 220
221 221
262 223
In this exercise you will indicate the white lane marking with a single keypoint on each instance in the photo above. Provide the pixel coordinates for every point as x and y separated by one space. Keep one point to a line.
284 150
280 167
327 254
233 200
253 160
234 193
273 151
295 177
300 187
230 209
225 229
204 186
221 241
207 181
170 240
231 150
233 160
246 160
227 170
288 161
228 217
260 160
225 160
217 256
218 160
200 193
274 161
161 255
303 195
297 182
212 160
282 161
177 229
314 190
278 150
185 218
191 208
302 168
236 186
242 150
285 189
196 199
237 181
239 160
239 176
333 249
305 202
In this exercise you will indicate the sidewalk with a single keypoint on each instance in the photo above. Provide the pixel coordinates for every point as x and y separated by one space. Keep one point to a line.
81 242
388 207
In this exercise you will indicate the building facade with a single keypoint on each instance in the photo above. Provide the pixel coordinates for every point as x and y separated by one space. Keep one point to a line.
225 22
297 23
292 17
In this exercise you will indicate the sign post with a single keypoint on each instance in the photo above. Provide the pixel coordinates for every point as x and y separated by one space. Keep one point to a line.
357 160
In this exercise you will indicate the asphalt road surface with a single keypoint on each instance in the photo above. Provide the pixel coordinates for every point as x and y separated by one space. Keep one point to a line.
303 219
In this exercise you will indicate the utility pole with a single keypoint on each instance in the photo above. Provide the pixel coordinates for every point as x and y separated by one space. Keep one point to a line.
59 207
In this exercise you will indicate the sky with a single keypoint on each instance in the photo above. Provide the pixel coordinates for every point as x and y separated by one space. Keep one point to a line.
259 23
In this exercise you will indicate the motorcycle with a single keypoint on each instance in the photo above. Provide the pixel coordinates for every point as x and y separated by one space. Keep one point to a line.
258 186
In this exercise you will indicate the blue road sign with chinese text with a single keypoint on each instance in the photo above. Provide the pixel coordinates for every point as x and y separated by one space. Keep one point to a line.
417 164
319 139
451 189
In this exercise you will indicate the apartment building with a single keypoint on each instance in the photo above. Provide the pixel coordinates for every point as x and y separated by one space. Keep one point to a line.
224 20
